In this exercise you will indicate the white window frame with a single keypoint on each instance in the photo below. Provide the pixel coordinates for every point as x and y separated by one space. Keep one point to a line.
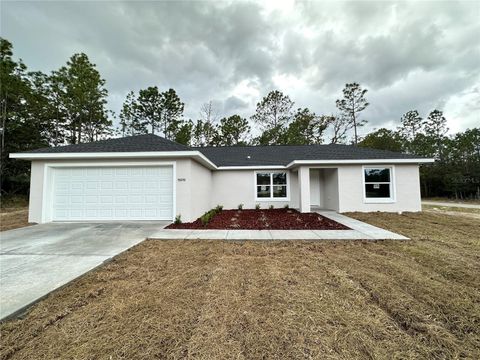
392 198
271 198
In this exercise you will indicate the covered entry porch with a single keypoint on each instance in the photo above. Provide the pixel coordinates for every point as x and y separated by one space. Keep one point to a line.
318 188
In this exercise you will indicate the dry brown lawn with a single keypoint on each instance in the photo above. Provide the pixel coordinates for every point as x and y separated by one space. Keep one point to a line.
13 212
12 218
453 210
283 300
453 201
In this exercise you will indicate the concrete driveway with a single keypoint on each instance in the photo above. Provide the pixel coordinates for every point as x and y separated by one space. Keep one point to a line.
38 259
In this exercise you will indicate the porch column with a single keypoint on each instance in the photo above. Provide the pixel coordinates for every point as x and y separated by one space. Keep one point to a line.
304 191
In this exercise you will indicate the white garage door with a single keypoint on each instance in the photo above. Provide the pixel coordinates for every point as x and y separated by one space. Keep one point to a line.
112 193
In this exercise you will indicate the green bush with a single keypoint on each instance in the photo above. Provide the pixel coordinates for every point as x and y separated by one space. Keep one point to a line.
271 207
178 219
257 206
240 206
208 216
286 206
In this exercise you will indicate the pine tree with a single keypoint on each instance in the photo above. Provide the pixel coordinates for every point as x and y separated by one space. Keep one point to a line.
352 104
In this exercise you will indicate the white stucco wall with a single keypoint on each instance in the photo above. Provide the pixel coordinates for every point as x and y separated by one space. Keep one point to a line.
234 187
329 192
198 189
201 189
315 188
36 192
406 186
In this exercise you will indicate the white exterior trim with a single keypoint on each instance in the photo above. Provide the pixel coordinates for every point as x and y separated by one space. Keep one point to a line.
364 161
269 199
203 159
266 167
116 155
48 180
393 193
331 163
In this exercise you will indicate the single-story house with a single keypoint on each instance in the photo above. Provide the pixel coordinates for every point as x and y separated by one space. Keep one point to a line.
147 177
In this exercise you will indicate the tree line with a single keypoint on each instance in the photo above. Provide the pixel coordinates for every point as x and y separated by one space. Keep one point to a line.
69 106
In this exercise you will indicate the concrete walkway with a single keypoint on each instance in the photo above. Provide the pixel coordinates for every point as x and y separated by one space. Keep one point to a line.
38 259
359 231
451 204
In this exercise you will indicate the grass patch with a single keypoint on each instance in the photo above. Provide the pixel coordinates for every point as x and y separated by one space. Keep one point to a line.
453 201
450 208
13 203
13 212
332 300
14 219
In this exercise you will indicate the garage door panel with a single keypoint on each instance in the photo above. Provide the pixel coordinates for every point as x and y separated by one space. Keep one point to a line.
92 172
91 199
106 185
121 185
91 213
151 212
60 199
91 185
121 172
121 199
77 199
77 172
136 172
153 199
114 193
106 199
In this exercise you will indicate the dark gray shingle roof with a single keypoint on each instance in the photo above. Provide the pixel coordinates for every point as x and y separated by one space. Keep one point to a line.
284 154
146 142
233 155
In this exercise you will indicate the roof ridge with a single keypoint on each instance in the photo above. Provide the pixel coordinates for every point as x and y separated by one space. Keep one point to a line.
132 141
258 146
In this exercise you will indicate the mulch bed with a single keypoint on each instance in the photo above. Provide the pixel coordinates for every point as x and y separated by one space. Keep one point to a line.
268 219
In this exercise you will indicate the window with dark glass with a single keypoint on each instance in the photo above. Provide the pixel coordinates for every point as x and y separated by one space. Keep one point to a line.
378 183
271 185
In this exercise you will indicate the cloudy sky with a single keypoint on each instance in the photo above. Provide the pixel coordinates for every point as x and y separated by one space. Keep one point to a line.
409 55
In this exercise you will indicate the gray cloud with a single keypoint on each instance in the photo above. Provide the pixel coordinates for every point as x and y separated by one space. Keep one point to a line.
409 55
233 105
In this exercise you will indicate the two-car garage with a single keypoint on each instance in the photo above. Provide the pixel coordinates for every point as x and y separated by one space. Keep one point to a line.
133 178
99 193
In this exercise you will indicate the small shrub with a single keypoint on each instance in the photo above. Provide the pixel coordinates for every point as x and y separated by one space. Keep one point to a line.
205 218
257 206
178 219
208 216
286 206
240 206
271 207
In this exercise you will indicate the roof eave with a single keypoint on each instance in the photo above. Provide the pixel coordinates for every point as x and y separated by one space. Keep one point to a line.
296 163
197 155
202 159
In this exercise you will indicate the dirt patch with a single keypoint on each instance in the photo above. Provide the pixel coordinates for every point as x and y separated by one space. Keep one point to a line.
417 299
453 201
269 219
451 210
13 218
